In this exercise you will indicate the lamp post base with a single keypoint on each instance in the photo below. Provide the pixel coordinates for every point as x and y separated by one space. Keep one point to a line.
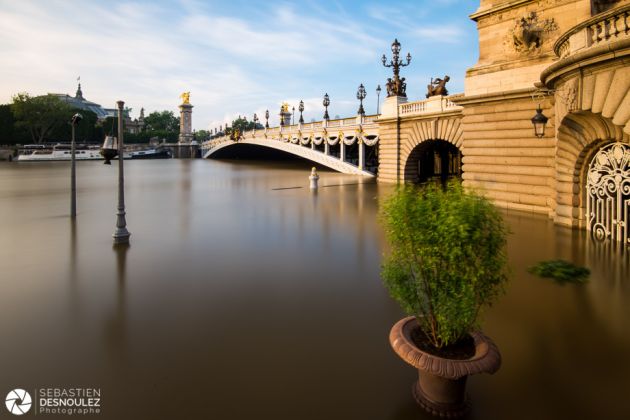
121 236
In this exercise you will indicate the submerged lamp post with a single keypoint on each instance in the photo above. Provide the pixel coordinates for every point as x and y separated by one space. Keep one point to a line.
539 121
76 119
301 109
361 96
326 102
378 96
121 234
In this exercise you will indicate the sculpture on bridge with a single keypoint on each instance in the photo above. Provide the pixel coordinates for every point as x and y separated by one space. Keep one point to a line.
397 85
438 87
185 98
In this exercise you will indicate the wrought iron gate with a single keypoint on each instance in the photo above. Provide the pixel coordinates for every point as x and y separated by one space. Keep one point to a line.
608 190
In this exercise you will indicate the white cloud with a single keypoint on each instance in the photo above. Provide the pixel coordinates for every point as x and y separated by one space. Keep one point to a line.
148 53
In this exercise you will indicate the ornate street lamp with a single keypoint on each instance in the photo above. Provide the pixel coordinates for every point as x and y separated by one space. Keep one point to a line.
396 86
301 109
121 234
293 116
361 96
539 121
378 96
76 119
267 119
326 103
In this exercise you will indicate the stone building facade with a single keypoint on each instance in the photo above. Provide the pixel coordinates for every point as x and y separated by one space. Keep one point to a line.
571 58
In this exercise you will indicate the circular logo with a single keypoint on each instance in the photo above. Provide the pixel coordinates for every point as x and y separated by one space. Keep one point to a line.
18 402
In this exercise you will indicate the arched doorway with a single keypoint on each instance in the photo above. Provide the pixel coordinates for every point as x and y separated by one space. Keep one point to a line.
608 193
433 160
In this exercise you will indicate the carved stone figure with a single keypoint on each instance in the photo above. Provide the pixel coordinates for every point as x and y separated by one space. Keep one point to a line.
527 34
438 86
389 85
396 87
185 97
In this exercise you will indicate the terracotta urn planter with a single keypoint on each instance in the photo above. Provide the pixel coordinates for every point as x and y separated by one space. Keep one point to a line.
441 385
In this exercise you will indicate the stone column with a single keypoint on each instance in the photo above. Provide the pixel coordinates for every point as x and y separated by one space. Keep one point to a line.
342 150
361 154
185 124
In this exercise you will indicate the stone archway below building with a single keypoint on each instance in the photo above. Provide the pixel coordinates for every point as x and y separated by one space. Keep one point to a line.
433 160
581 136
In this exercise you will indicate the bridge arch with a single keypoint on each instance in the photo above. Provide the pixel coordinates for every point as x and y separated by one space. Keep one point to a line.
433 148
294 149
433 160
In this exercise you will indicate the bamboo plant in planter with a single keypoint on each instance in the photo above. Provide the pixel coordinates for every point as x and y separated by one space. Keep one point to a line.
447 263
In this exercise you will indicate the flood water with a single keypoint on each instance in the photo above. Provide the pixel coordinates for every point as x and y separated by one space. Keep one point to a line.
245 296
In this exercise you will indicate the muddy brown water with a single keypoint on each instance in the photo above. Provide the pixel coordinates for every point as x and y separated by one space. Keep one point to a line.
245 296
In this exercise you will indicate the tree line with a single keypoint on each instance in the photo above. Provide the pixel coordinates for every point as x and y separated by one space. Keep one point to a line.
38 119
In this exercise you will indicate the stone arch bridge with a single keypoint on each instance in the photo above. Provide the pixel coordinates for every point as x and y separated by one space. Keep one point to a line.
391 145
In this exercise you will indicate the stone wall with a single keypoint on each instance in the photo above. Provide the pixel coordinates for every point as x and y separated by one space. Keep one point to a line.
502 156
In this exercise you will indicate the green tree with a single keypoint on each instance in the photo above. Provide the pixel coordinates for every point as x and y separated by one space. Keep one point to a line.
9 132
202 135
243 125
88 130
39 115
447 259
164 120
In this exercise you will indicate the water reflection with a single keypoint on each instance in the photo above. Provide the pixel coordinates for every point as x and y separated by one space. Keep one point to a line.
115 325
239 289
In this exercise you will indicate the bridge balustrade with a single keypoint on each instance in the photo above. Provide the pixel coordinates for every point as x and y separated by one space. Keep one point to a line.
354 141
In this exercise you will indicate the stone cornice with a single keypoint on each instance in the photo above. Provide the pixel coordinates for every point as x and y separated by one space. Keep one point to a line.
594 55
493 97
500 8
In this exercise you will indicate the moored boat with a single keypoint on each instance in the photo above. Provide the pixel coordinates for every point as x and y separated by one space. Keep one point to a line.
39 152
151 154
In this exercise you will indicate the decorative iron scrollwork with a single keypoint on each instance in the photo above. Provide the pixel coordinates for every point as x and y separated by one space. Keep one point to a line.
608 190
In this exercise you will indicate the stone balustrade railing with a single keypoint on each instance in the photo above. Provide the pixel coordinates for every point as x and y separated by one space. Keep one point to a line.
604 28
347 125
434 104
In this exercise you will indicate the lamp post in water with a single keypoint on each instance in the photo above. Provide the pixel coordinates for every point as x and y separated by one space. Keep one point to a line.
76 119
121 234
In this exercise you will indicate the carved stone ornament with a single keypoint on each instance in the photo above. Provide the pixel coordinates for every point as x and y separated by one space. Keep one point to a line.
568 95
529 32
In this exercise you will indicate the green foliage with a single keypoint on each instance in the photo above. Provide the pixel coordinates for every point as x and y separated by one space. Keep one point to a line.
39 115
448 257
162 121
561 271
85 132
202 135
242 125
9 132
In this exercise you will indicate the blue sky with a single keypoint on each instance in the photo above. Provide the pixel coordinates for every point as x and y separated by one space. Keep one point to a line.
235 57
